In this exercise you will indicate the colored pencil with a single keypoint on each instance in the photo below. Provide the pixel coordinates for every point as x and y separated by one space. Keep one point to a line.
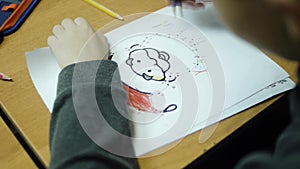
104 9
174 4
5 77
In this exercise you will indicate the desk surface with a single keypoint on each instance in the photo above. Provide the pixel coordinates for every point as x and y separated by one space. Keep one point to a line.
12 153
27 111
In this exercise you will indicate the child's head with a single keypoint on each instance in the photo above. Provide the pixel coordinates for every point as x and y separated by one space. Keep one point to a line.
273 25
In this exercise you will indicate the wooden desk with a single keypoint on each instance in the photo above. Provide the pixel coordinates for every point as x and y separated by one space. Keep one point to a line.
28 112
12 153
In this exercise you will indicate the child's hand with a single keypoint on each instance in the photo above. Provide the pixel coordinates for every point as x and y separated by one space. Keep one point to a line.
76 41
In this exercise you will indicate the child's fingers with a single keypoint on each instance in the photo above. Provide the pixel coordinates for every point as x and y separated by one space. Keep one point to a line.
68 23
52 40
57 30
192 3
81 22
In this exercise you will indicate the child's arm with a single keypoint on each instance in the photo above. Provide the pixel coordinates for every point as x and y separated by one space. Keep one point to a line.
84 93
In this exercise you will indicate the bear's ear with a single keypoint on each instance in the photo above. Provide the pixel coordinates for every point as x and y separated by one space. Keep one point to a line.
129 61
164 55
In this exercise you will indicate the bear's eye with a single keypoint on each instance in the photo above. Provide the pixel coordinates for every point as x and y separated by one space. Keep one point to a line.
149 71
138 61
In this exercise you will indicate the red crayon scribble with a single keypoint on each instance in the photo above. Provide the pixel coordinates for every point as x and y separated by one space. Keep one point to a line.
197 72
139 100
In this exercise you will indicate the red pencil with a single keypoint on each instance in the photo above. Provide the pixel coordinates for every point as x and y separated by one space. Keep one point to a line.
5 77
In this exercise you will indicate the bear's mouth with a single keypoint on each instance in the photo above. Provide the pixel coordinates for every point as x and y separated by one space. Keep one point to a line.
147 77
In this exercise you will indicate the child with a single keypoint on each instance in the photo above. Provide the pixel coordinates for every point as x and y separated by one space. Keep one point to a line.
270 24
273 25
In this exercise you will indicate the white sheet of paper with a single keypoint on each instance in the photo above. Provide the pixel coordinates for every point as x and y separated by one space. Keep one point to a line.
44 71
248 72
241 61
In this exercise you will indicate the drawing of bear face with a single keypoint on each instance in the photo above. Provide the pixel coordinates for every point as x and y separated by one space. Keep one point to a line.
149 63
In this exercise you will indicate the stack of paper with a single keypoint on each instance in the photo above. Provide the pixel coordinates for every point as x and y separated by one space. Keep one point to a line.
191 70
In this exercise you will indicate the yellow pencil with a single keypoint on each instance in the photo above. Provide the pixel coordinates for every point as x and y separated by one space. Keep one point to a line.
104 9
